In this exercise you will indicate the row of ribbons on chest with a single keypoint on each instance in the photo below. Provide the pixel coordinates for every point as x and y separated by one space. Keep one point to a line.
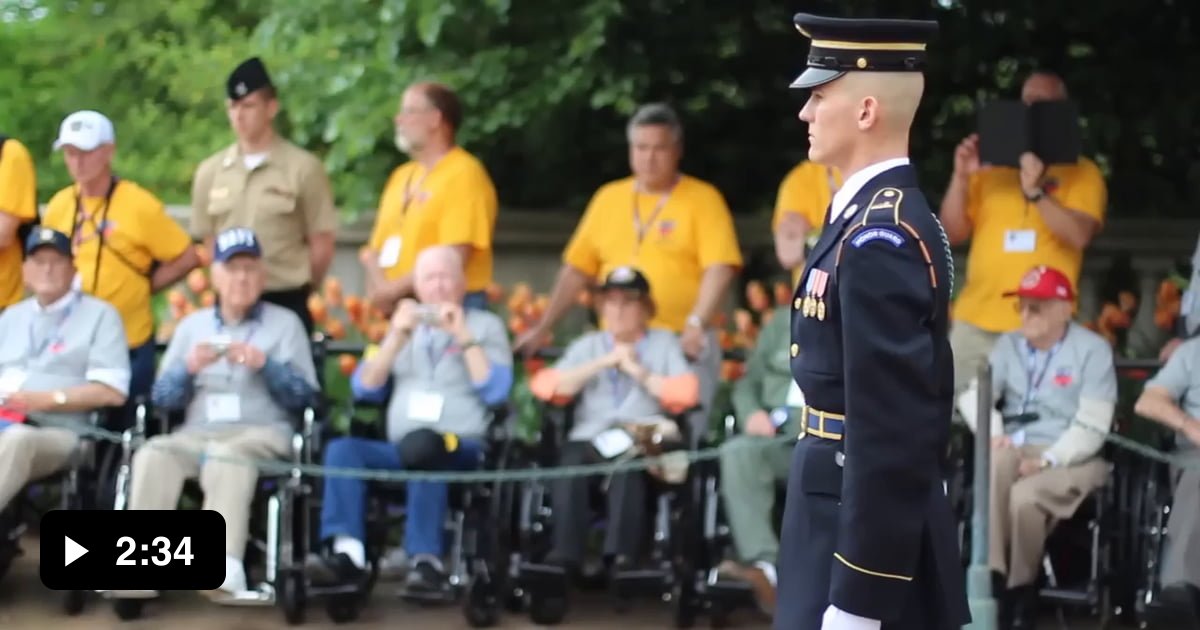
813 302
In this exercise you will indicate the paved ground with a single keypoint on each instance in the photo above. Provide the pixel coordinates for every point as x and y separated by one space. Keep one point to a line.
27 605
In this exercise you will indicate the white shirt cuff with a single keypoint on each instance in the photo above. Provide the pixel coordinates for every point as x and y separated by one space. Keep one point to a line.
837 619
114 378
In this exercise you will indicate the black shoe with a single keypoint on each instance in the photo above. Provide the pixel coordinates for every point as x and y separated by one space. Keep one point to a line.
1025 604
425 577
1003 599
333 569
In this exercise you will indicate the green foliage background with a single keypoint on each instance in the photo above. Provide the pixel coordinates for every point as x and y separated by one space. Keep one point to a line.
547 84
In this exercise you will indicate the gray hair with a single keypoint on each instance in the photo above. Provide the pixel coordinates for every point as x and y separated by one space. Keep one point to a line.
656 115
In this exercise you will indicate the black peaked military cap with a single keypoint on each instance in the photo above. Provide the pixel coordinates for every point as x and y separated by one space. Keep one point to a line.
250 75
841 45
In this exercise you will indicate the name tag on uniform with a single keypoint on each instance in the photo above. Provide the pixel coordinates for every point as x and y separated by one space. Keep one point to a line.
223 407
11 380
389 254
425 406
795 397
1020 240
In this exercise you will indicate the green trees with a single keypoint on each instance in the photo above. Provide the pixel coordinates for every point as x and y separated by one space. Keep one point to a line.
547 84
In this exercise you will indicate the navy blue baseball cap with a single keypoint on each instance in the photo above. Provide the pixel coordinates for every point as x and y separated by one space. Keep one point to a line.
236 242
47 237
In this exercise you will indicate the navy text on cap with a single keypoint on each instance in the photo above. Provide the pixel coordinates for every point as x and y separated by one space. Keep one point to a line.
47 237
841 45
250 75
235 241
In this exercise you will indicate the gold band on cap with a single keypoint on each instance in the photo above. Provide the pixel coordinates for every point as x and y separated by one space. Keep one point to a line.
840 45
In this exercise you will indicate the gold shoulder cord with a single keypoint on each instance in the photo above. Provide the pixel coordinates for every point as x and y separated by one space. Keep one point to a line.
888 199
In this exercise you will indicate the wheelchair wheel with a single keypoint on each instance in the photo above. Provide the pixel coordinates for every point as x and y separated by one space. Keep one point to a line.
73 602
547 610
291 597
343 608
481 607
128 609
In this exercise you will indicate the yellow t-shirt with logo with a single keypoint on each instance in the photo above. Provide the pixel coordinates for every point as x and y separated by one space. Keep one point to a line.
692 230
18 197
807 190
1000 251
137 232
454 203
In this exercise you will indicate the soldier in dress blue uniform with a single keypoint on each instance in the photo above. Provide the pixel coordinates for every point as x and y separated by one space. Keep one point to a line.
868 535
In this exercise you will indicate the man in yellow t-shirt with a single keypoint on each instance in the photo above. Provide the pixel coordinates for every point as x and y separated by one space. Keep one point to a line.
676 229
1016 219
126 246
18 206
800 208
443 196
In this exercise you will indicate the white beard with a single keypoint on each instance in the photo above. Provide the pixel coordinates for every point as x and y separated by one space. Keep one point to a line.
402 142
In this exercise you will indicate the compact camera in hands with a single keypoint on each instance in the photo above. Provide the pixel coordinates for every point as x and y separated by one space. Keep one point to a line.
429 314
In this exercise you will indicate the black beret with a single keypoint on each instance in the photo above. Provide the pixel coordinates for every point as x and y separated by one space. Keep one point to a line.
250 75
841 45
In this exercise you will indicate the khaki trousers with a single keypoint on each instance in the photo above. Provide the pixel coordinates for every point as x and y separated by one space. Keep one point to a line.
161 466
31 453
971 346
1025 509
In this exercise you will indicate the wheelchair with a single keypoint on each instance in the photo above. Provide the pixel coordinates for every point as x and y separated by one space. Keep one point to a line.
281 515
85 483
478 526
673 570
718 597
1150 507
1079 560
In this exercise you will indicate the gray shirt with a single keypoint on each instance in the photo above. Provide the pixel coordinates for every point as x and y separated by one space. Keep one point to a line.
76 340
613 396
431 386
1051 383
1181 378
225 393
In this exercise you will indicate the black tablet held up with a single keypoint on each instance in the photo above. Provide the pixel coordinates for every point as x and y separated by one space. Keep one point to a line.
1050 129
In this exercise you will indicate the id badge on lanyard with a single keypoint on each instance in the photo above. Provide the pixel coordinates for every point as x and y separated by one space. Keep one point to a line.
53 340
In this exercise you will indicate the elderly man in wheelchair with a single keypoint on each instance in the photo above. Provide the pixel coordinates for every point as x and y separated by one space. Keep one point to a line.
239 371
62 355
440 369
1054 390
1172 399
623 381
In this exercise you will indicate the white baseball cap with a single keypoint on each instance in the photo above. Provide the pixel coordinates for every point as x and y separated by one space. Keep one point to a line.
85 130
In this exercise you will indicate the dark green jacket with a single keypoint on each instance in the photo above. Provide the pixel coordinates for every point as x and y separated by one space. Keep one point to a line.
768 374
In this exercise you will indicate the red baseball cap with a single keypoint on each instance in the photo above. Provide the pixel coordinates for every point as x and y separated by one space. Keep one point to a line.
1044 283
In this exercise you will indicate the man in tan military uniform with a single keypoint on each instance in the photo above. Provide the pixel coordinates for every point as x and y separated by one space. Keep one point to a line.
271 186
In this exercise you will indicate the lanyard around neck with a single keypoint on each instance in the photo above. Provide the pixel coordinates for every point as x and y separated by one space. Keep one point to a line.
1034 376
641 227
53 339
97 228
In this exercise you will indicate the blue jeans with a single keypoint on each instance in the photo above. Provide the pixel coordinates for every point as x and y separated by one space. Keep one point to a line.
343 508
476 300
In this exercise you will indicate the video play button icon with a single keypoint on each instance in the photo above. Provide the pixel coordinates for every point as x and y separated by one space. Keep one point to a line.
72 551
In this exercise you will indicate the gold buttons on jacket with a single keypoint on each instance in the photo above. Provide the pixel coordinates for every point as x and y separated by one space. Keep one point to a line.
798 303
795 349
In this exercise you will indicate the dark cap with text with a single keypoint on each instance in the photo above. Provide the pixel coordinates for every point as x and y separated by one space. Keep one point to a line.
47 237
841 45
236 242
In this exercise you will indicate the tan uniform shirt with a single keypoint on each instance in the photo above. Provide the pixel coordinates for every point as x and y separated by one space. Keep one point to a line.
283 199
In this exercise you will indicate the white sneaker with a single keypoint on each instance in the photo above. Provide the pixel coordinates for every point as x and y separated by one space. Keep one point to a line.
235 580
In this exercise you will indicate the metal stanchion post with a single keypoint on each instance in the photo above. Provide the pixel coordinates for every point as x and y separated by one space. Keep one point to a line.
979 575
